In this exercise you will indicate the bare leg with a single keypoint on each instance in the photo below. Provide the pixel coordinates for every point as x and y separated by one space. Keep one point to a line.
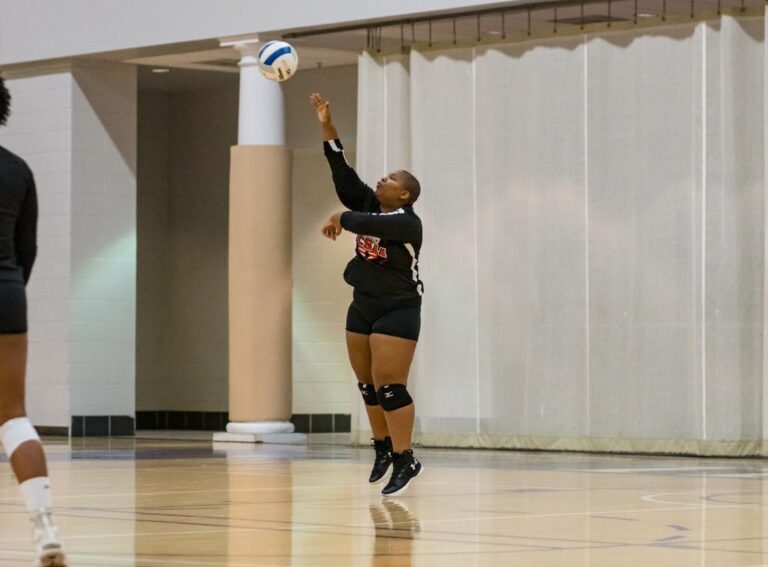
391 363
359 350
28 458
28 461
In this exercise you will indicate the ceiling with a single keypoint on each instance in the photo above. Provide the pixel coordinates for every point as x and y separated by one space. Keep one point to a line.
329 47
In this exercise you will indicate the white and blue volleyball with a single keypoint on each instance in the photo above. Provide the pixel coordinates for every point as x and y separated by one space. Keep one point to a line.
278 60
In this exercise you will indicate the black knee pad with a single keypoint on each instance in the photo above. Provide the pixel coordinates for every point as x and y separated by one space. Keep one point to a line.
369 394
394 396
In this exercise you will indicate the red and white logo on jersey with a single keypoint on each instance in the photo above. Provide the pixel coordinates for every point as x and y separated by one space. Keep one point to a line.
368 247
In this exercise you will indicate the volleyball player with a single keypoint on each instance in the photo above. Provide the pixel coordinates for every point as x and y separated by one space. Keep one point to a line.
384 319
18 247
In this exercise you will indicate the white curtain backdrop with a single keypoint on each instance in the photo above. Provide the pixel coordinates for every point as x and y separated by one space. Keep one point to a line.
594 255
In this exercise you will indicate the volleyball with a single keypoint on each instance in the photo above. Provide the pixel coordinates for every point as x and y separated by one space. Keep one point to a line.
278 60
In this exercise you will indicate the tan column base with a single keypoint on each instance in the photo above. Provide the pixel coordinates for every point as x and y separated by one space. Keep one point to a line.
260 288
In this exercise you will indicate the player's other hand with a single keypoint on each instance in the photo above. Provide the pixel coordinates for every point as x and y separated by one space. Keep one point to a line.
332 228
322 107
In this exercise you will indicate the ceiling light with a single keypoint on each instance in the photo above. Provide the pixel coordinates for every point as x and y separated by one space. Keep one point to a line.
646 15
161 70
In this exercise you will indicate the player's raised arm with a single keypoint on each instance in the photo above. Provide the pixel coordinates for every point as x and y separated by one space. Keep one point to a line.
323 109
352 192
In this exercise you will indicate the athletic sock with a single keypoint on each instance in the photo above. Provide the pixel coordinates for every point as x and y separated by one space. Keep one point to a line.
37 493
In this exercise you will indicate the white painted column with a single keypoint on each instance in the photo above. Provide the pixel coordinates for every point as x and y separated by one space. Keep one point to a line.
260 281
261 120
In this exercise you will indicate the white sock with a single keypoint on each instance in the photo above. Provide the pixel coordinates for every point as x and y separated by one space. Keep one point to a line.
37 493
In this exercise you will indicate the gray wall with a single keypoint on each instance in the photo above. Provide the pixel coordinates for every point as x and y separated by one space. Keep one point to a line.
153 244
322 379
184 141
76 128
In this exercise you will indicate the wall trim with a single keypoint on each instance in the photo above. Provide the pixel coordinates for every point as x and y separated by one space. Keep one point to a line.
747 448
217 421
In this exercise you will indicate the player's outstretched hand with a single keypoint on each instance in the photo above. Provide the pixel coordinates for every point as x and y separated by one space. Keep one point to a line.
322 107
332 228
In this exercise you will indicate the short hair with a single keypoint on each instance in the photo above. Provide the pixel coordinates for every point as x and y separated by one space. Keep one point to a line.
411 184
5 102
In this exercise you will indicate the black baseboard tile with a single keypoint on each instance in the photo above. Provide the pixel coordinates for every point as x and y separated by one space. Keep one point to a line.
342 423
176 419
195 420
184 420
96 426
52 430
121 425
147 420
78 426
102 425
301 422
321 423
214 421
217 421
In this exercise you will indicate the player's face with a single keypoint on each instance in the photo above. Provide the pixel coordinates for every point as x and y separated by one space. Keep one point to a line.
390 191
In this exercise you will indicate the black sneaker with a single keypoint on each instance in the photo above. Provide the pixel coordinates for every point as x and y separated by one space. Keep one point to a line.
405 469
383 459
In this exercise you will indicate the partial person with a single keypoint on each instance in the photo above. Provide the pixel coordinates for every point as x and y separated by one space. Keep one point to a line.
18 248
384 319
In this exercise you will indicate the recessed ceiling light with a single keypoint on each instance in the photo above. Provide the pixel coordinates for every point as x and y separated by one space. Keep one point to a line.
161 70
646 15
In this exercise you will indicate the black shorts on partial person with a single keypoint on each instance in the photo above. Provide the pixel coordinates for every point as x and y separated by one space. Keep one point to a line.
394 317
13 307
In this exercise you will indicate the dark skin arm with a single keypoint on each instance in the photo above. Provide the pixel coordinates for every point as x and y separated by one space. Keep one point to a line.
332 228
351 190
323 109
398 227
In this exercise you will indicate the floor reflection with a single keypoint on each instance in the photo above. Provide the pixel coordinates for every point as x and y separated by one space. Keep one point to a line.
395 528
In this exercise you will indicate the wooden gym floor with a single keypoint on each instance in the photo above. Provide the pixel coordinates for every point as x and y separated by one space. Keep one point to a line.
183 502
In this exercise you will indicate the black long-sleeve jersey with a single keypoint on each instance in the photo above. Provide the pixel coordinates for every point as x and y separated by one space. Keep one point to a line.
386 262
18 218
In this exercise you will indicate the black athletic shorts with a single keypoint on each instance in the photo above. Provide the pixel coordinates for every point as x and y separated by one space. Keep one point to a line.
394 317
13 307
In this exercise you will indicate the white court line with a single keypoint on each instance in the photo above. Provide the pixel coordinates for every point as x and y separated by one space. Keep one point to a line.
213 530
313 527
655 497
310 528
167 492
313 487
588 514
741 475
659 469
115 560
